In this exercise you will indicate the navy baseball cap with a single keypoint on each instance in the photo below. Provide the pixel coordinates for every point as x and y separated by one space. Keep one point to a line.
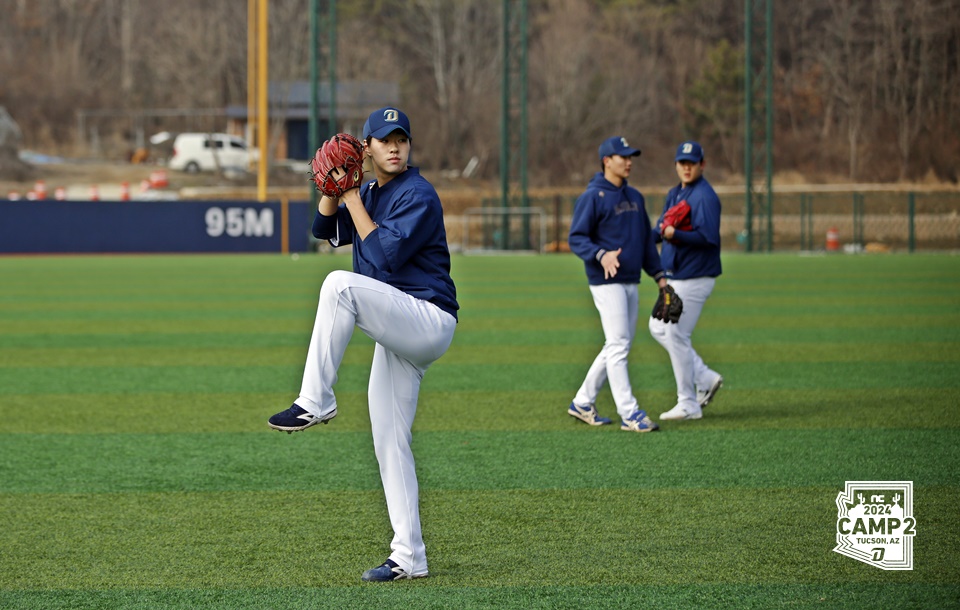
385 121
689 151
617 145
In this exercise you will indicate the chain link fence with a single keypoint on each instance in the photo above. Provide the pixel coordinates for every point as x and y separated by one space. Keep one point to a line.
802 220
873 220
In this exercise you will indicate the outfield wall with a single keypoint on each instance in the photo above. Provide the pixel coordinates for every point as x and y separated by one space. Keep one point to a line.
35 227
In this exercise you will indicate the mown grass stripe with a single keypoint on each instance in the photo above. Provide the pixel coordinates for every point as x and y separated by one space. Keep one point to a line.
477 460
469 377
361 352
496 335
215 541
548 597
477 410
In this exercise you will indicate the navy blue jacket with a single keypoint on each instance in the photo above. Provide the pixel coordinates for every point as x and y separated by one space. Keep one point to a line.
607 217
409 249
693 253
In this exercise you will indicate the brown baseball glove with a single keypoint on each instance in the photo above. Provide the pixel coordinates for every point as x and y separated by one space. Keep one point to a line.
668 306
338 165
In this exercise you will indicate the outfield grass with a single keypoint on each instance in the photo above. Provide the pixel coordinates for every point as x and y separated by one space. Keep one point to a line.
137 470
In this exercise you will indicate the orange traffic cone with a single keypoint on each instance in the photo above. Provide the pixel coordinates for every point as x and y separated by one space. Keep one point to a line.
124 191
158 179
833 239
40 189
94 193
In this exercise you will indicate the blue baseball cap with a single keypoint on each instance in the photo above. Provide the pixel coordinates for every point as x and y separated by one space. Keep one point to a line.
689 151
617 145
385 121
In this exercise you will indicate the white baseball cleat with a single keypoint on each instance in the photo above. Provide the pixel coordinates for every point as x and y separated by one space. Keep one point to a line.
588 415
638 421
679 412
705 396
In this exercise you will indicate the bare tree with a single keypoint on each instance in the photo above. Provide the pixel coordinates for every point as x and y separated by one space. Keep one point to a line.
909 30
845 56
575 97
451 55
648 69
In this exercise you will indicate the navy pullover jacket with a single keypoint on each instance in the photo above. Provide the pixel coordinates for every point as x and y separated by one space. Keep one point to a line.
693 253
607 217
409 249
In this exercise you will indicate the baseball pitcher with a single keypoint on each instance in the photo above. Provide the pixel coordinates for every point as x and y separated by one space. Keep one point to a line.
400 294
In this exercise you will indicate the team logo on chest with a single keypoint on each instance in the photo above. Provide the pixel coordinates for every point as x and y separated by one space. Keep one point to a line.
626 206
875 523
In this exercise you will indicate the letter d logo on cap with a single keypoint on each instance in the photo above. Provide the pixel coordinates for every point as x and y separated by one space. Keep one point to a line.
390 115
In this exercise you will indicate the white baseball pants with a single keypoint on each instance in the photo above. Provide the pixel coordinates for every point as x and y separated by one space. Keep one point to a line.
617 304
688 367
410 334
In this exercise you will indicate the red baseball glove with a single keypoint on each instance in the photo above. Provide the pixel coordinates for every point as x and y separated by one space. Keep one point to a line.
342 152
678 216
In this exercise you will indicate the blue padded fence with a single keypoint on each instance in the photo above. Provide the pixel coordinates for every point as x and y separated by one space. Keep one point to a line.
34 227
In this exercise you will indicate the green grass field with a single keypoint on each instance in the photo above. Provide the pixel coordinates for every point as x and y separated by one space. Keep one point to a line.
137 470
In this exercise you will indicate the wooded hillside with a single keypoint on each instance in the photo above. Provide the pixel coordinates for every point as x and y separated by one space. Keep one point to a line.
864 90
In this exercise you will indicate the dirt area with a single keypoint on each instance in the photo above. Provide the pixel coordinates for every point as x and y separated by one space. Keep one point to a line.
78 178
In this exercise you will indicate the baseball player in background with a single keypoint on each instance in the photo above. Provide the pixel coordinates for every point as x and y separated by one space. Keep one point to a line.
401 295
611 232
689 228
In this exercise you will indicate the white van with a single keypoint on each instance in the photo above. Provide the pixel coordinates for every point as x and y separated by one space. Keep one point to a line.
194 152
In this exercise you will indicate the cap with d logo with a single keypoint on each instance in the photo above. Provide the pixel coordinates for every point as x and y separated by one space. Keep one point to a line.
385 121
689 151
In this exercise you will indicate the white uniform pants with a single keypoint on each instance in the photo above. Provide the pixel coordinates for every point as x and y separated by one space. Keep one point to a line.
617 304
688 367
410 334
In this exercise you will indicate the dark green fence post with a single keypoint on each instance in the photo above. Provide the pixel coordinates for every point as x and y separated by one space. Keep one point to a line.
858 219
810 220
911 211
863 213
805 238
557 203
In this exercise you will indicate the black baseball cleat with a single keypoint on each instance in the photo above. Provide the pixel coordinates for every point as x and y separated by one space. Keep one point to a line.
387 571
297 418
